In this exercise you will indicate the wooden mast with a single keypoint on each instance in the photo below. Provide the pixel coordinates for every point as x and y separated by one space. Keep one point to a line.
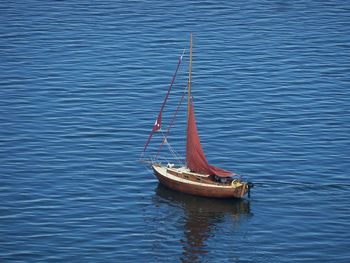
189 92
189 80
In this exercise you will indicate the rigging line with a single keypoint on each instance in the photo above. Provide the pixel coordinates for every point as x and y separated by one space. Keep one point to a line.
171 149
176 156
172 121
166 160
157 124
172 81
179 160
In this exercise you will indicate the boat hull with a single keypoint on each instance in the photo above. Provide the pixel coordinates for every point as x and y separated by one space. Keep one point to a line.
199 188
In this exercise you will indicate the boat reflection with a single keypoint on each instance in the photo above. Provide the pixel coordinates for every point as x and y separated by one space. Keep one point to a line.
201 217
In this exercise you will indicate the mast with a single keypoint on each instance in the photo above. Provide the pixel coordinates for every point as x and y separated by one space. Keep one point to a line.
189 80
189 97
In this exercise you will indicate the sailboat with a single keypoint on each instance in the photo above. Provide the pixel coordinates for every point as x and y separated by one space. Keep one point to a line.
196 176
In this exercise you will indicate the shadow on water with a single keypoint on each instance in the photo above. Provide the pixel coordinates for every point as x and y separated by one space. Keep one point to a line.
202 216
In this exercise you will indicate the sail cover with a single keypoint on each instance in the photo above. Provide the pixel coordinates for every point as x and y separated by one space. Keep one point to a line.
195 157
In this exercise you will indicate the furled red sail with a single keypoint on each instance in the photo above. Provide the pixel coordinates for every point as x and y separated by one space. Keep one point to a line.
195 156
157 125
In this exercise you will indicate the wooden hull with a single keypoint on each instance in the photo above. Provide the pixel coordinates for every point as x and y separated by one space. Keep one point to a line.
182 183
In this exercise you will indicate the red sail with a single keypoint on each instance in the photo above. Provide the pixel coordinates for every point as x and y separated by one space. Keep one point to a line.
195 156
158 123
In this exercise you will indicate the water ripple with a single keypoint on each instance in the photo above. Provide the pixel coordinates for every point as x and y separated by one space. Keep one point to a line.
82 83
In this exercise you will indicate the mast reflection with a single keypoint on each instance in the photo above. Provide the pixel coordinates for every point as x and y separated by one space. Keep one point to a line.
201 217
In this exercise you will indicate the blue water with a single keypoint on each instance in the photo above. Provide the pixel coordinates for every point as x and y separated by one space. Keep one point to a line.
80 87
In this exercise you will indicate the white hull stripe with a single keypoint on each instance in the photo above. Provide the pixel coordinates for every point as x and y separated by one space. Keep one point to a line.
163 172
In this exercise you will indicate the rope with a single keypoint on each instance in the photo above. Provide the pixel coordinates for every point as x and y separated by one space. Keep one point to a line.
172 121
175 155
157 124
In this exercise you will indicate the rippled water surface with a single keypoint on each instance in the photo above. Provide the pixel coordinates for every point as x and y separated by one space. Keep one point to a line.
81 84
